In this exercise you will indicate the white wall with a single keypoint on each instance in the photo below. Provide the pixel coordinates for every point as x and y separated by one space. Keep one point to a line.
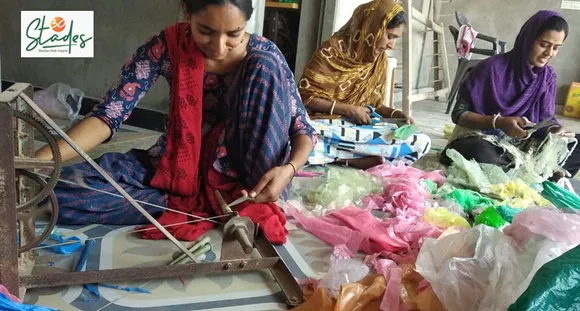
256 23
344 10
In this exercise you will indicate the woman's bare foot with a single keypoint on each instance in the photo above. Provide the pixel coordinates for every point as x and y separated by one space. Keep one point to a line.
363 163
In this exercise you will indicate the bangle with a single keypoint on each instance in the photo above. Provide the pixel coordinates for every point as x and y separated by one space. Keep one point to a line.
495 117
332 109
393 113
293 168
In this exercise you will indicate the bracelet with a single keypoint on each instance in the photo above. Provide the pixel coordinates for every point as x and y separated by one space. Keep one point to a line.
393 113
495 116
332 109
293 168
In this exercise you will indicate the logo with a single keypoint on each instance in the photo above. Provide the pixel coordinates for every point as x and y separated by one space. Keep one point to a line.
53 34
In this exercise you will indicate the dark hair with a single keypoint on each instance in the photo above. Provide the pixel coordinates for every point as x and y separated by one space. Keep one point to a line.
397 20
194 6
555 23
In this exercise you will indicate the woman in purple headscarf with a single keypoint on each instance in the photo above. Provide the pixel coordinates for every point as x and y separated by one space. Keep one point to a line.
504 89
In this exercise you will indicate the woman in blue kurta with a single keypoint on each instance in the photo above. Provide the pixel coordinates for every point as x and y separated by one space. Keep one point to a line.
249 118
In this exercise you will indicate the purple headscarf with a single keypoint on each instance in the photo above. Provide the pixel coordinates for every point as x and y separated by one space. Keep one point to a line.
507 84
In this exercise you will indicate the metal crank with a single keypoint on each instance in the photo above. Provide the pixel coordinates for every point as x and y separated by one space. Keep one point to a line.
240 238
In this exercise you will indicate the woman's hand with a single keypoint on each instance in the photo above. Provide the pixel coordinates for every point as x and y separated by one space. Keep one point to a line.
401 115
512 126
562 131
271 185
359 115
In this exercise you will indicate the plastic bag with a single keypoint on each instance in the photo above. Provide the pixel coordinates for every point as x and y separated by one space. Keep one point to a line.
484 269
337 189
397 238
508 213
405 131
363 295
343 270
469 200
7 304
490 217
560 197
60 101
448 131
443 218
554 287
466 173
393 275
517 194
414 294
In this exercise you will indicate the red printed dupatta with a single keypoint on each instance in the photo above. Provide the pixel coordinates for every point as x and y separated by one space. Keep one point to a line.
178 170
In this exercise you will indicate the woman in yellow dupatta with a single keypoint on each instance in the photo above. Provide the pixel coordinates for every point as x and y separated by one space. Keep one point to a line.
344 79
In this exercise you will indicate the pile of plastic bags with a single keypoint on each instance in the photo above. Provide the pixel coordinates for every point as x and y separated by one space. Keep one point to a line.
422 251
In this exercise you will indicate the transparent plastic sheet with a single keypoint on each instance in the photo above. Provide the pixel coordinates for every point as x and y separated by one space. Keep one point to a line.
538 163
466 173
60 101
485 269
335 190
554 287
560 197
343 270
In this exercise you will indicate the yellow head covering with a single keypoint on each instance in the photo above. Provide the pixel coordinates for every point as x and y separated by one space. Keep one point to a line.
339 70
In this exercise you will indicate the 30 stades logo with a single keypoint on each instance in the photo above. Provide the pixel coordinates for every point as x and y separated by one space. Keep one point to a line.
52 34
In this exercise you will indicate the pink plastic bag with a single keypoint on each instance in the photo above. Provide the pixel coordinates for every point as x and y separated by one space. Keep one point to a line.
4 291
547 222
396 238
393 275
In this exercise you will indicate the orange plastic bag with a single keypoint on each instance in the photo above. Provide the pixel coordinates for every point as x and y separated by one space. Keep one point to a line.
365 295
411 297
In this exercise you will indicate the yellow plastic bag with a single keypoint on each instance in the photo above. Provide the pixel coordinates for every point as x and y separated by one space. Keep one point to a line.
443 218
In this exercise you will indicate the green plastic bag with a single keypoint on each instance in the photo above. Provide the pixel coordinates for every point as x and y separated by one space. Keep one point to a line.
507 212
405 131
555 286
469 200
430 185
559 196
490 217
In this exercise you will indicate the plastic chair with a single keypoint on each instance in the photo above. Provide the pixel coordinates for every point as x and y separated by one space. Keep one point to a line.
465 66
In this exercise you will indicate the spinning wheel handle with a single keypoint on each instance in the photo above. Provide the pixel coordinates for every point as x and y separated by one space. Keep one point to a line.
242 237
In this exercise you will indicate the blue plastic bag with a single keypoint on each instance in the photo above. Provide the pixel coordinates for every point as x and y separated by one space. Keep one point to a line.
8 305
